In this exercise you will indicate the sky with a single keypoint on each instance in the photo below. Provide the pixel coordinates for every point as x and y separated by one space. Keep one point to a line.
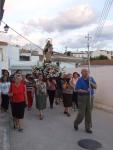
66 22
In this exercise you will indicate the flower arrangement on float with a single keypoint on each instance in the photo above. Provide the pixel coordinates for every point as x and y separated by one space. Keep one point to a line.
49 70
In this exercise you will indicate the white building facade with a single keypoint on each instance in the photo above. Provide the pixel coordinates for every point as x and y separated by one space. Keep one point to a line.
14 57
93 54
97 53
80 54
4 61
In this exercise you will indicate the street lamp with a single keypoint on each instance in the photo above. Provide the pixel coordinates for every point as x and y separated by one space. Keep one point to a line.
6 28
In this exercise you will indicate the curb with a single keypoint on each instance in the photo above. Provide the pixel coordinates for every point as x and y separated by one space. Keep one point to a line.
4 132
103 107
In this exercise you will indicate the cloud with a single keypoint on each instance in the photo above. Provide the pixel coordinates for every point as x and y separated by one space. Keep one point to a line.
74 18
30 8
74 39
107 32
73 43
63 27
102 40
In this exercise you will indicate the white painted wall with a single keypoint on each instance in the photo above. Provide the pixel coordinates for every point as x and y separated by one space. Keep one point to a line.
33 48
104 78
13 52
4 64
80 55
35 58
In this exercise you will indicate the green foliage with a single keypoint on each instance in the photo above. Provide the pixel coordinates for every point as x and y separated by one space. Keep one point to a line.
69 53
101 57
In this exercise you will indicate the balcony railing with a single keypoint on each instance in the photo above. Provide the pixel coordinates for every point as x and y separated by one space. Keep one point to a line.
23 64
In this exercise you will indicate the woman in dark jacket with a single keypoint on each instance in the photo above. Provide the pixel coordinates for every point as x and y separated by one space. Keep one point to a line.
58 94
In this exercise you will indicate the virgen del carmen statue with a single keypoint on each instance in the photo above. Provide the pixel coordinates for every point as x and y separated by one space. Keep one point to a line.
48 51
48 68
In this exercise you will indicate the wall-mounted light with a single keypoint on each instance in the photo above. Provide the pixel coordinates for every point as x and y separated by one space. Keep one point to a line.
6 28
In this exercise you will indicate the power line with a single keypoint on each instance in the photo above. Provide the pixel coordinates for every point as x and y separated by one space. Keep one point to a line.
103 17
23 36
102 20
100 25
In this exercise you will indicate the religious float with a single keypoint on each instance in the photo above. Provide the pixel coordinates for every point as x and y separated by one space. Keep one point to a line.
47 67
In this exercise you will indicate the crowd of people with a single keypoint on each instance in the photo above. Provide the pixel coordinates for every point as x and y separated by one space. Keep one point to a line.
75 91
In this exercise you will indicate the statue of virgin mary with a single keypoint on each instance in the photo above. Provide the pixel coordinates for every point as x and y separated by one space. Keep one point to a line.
48 51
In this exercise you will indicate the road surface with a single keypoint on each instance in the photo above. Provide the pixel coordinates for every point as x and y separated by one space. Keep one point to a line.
56 131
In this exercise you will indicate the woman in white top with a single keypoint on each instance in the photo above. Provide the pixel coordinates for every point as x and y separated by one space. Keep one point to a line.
4 89
74 80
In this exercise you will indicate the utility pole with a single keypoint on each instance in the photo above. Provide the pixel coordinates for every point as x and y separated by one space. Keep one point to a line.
66 48
88 37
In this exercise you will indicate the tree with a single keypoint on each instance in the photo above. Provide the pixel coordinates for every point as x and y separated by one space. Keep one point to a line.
68 53
101 57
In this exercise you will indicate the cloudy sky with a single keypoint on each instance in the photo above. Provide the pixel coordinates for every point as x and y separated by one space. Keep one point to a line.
67 22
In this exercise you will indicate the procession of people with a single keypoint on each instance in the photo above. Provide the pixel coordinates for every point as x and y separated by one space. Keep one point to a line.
75 92
48 83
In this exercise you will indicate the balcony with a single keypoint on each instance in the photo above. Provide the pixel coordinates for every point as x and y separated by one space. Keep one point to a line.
23 65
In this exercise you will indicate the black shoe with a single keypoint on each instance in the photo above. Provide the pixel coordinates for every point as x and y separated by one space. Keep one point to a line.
56 103
89 131
41 117
76 127
15 127
68 114
20 129
51 106
65 112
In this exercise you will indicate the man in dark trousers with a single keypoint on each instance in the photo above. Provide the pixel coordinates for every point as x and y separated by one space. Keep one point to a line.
85 86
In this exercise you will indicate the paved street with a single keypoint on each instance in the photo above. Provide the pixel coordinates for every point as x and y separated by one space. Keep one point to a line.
56 131
4 131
